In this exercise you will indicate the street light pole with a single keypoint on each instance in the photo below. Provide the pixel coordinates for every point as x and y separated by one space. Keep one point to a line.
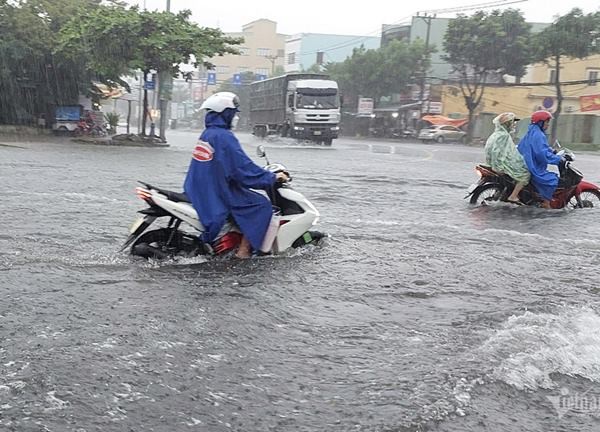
272 59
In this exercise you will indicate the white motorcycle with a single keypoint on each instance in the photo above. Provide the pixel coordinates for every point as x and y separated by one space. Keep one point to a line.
297 218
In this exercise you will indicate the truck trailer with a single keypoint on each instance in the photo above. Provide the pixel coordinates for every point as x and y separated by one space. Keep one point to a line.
305 106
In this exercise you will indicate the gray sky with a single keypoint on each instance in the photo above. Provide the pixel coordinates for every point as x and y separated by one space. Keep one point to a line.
362 18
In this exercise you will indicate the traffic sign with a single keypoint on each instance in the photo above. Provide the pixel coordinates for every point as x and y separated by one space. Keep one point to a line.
237 79
211 78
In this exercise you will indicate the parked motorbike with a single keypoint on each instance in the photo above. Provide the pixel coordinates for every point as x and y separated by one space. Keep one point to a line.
572 191
181 236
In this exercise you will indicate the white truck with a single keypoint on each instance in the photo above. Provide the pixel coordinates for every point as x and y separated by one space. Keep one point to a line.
305 106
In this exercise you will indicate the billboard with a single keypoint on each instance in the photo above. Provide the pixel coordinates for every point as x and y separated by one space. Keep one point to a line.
365 106
590 103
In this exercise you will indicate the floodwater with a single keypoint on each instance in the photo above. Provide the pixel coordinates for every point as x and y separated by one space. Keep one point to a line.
419 313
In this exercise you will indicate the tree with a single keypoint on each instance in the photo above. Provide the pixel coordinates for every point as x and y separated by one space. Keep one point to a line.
483 47
31 78
114 39
379 72
573 35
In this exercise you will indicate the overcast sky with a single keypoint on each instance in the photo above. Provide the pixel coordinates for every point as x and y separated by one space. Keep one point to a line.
361 18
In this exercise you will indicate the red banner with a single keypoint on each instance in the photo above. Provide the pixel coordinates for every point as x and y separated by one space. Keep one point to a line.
590 103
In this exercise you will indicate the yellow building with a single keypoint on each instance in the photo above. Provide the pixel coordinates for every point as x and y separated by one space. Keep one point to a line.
261 52
526 99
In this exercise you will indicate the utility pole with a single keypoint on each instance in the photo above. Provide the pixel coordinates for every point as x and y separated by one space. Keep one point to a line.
427 19
166 87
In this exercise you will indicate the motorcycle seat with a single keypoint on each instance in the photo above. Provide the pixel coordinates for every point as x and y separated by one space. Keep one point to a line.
171 195
177 196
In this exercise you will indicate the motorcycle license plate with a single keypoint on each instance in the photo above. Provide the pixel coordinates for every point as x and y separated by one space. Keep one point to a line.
317 132
472 187
135 225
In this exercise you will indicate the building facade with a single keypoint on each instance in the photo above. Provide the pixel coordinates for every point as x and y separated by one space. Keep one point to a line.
304 50
580 78
261 52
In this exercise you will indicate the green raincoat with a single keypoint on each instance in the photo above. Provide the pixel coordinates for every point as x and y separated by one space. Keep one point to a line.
502 154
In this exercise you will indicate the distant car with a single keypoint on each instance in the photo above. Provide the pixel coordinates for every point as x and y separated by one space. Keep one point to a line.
442 133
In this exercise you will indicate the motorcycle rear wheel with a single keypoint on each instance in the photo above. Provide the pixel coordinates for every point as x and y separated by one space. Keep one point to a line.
485 194
155 244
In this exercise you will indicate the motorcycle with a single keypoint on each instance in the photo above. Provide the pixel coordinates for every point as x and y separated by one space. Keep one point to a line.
297 218
572 191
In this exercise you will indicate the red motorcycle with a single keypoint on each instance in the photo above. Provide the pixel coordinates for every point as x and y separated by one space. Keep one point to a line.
572 191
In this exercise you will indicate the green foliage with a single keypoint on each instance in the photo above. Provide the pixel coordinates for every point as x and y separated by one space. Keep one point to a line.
379 72
112 118
31 78
114 40
315 68
52 50
485 46
574 35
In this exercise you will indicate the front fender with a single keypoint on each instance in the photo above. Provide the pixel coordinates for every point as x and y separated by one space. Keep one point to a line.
583 186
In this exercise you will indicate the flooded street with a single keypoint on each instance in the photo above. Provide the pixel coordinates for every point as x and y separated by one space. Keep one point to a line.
419 313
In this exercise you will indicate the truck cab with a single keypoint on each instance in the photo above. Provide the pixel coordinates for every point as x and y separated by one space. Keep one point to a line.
305 106
313 108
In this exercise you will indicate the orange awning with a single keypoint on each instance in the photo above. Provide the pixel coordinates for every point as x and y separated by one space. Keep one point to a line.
441 120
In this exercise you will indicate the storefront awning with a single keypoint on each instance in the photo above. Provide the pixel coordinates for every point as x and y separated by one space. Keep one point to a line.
441 120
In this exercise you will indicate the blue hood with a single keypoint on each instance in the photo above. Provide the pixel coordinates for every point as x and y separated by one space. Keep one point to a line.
220 120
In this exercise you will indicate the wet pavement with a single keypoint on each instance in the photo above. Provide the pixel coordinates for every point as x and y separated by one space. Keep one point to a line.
419 313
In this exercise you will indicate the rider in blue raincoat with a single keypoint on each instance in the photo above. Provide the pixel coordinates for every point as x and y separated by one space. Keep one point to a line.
221 175
538 155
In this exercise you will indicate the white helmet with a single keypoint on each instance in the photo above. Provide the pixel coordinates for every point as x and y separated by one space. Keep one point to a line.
220 101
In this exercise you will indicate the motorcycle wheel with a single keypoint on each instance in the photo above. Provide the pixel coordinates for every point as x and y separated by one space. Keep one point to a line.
589 199
153 244
485 194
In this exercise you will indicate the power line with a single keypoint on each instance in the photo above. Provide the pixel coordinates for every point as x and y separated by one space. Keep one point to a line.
478 6
403 20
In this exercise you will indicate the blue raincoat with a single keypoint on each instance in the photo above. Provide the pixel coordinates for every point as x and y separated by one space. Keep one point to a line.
219 179
538 155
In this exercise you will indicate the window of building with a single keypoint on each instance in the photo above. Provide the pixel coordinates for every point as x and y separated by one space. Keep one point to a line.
222 69
280 53
262 71
244 51
552 77
291 58
243 68
263 52
593 76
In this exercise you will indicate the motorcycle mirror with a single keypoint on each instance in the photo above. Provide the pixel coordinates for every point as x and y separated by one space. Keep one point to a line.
260 151
557 144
